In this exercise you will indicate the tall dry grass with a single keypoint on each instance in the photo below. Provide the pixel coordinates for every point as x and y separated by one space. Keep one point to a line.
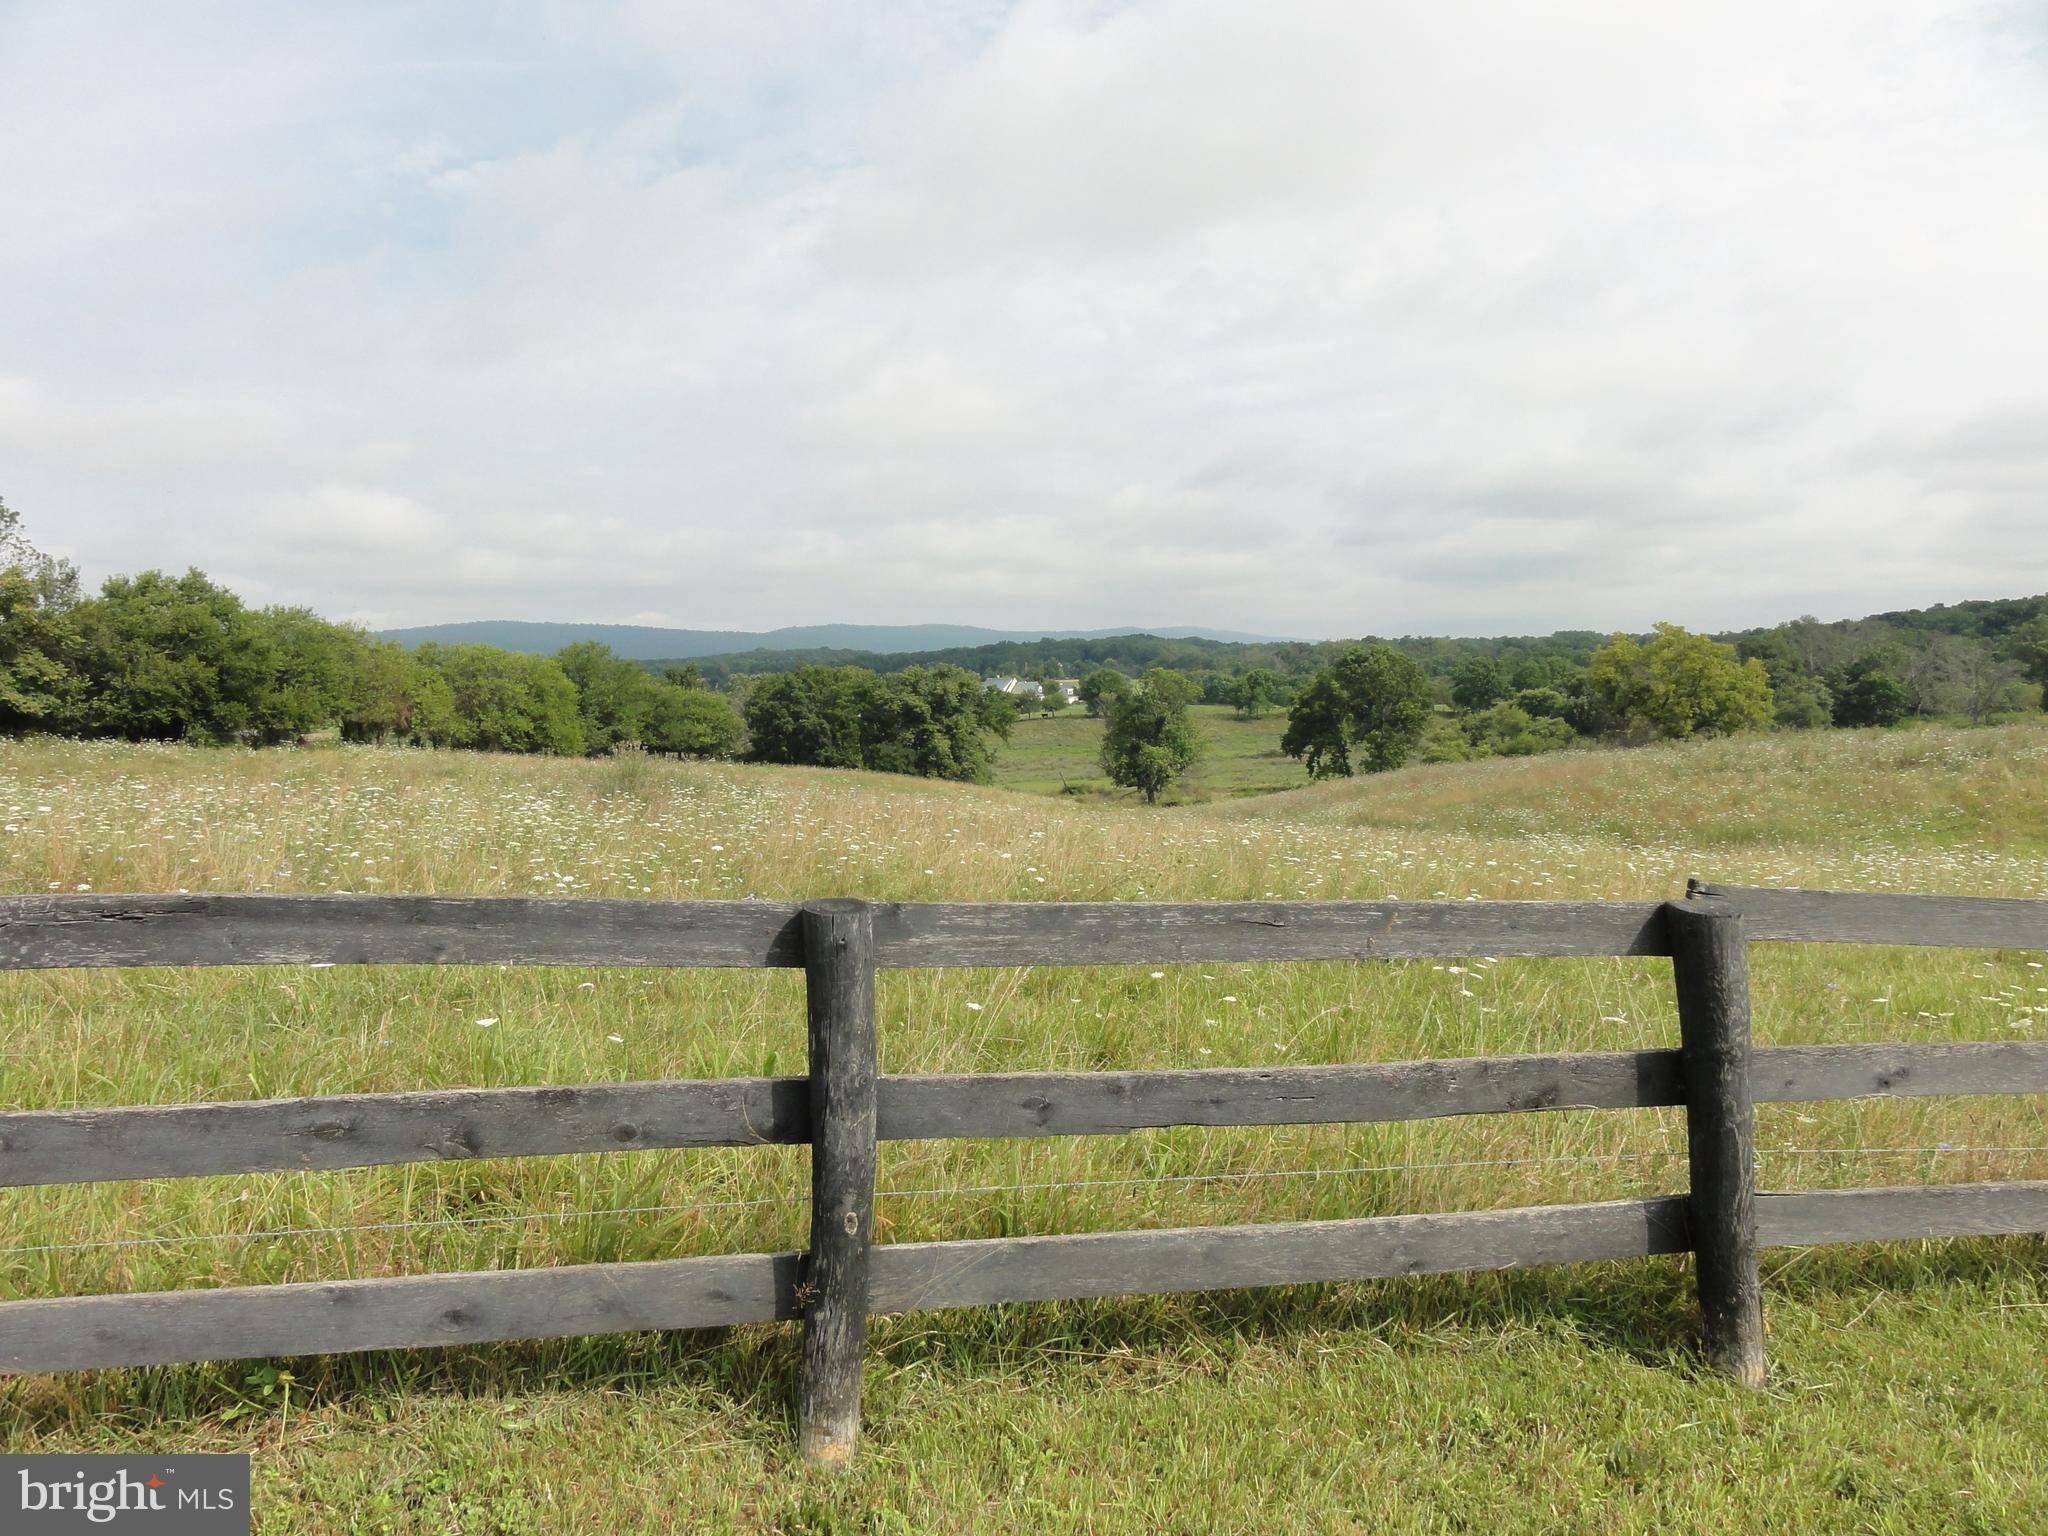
1933 810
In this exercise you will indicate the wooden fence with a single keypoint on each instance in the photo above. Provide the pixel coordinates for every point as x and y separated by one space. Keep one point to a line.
843 1107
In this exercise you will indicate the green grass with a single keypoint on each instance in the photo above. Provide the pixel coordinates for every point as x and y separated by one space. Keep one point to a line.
1905 1396
1061 755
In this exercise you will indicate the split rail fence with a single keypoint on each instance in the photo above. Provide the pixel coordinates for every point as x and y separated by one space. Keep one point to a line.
844 1106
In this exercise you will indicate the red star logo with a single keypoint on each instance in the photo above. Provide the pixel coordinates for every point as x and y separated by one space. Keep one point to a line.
154 1482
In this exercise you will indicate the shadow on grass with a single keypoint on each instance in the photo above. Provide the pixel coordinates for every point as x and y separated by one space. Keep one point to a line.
1642 1310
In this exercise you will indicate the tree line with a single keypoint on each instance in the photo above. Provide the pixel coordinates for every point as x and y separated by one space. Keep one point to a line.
1374 707
158 657
1969 660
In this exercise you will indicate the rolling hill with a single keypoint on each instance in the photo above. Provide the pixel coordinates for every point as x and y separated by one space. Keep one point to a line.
644 642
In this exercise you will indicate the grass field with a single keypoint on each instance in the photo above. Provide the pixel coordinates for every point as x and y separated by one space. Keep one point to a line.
1906 1395
1061 754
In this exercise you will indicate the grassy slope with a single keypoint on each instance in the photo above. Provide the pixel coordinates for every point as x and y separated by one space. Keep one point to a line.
1906 1395
1046 756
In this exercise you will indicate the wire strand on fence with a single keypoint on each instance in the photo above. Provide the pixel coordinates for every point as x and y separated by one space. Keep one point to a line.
510 1217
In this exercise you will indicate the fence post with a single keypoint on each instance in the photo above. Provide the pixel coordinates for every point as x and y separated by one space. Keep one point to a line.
1710 965
839 972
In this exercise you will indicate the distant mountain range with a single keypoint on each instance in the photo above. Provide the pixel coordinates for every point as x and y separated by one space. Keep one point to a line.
645 642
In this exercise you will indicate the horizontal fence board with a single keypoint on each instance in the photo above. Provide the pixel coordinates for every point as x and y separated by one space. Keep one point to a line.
415 1311
919 1276
1163 932
204 929
42 932
114 930
1783 1074
1107 1103
243 1322
1863 917
1799 1218
74 1146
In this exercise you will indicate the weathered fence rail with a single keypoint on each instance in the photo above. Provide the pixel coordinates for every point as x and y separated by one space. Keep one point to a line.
842 1108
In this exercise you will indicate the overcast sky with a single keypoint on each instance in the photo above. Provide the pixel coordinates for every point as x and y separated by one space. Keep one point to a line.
1308 319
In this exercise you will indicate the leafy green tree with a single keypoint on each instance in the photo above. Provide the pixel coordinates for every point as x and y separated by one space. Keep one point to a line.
1101 689
1508 730
1373 703
1558 672
1678 684
1544 703
36 685
1150 741
1255 692
169 658
1319 728
1867 694
1802 702
2027 644
931 721
505 701
317 665
613 696
813 715
692 722
1479 683
37 595
382 698
1390 701
683 674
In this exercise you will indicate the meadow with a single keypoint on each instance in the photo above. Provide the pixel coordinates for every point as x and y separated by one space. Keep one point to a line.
1060 755
1905 1395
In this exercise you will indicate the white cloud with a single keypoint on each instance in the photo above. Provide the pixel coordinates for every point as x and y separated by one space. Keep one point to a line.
1310 318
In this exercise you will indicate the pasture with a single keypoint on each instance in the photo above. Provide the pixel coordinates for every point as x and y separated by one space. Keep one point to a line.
1905 1396
1059 754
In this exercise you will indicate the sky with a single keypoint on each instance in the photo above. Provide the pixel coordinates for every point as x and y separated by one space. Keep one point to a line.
1306 319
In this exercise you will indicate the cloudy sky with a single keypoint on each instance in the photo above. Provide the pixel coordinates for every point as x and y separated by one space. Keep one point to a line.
1303 318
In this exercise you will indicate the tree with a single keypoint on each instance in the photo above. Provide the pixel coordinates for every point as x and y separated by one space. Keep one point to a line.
1101 689
1507 730
1950 675
1678 684
1544 703
692 722
1558 672
1478 683
1255 692
613 696
1802 702
36 686
683 674
37 594
2027 644
1150 741
1373 703
931 721
316 667
170 658
1318 729
502 701
1868 694
813 715
383 695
